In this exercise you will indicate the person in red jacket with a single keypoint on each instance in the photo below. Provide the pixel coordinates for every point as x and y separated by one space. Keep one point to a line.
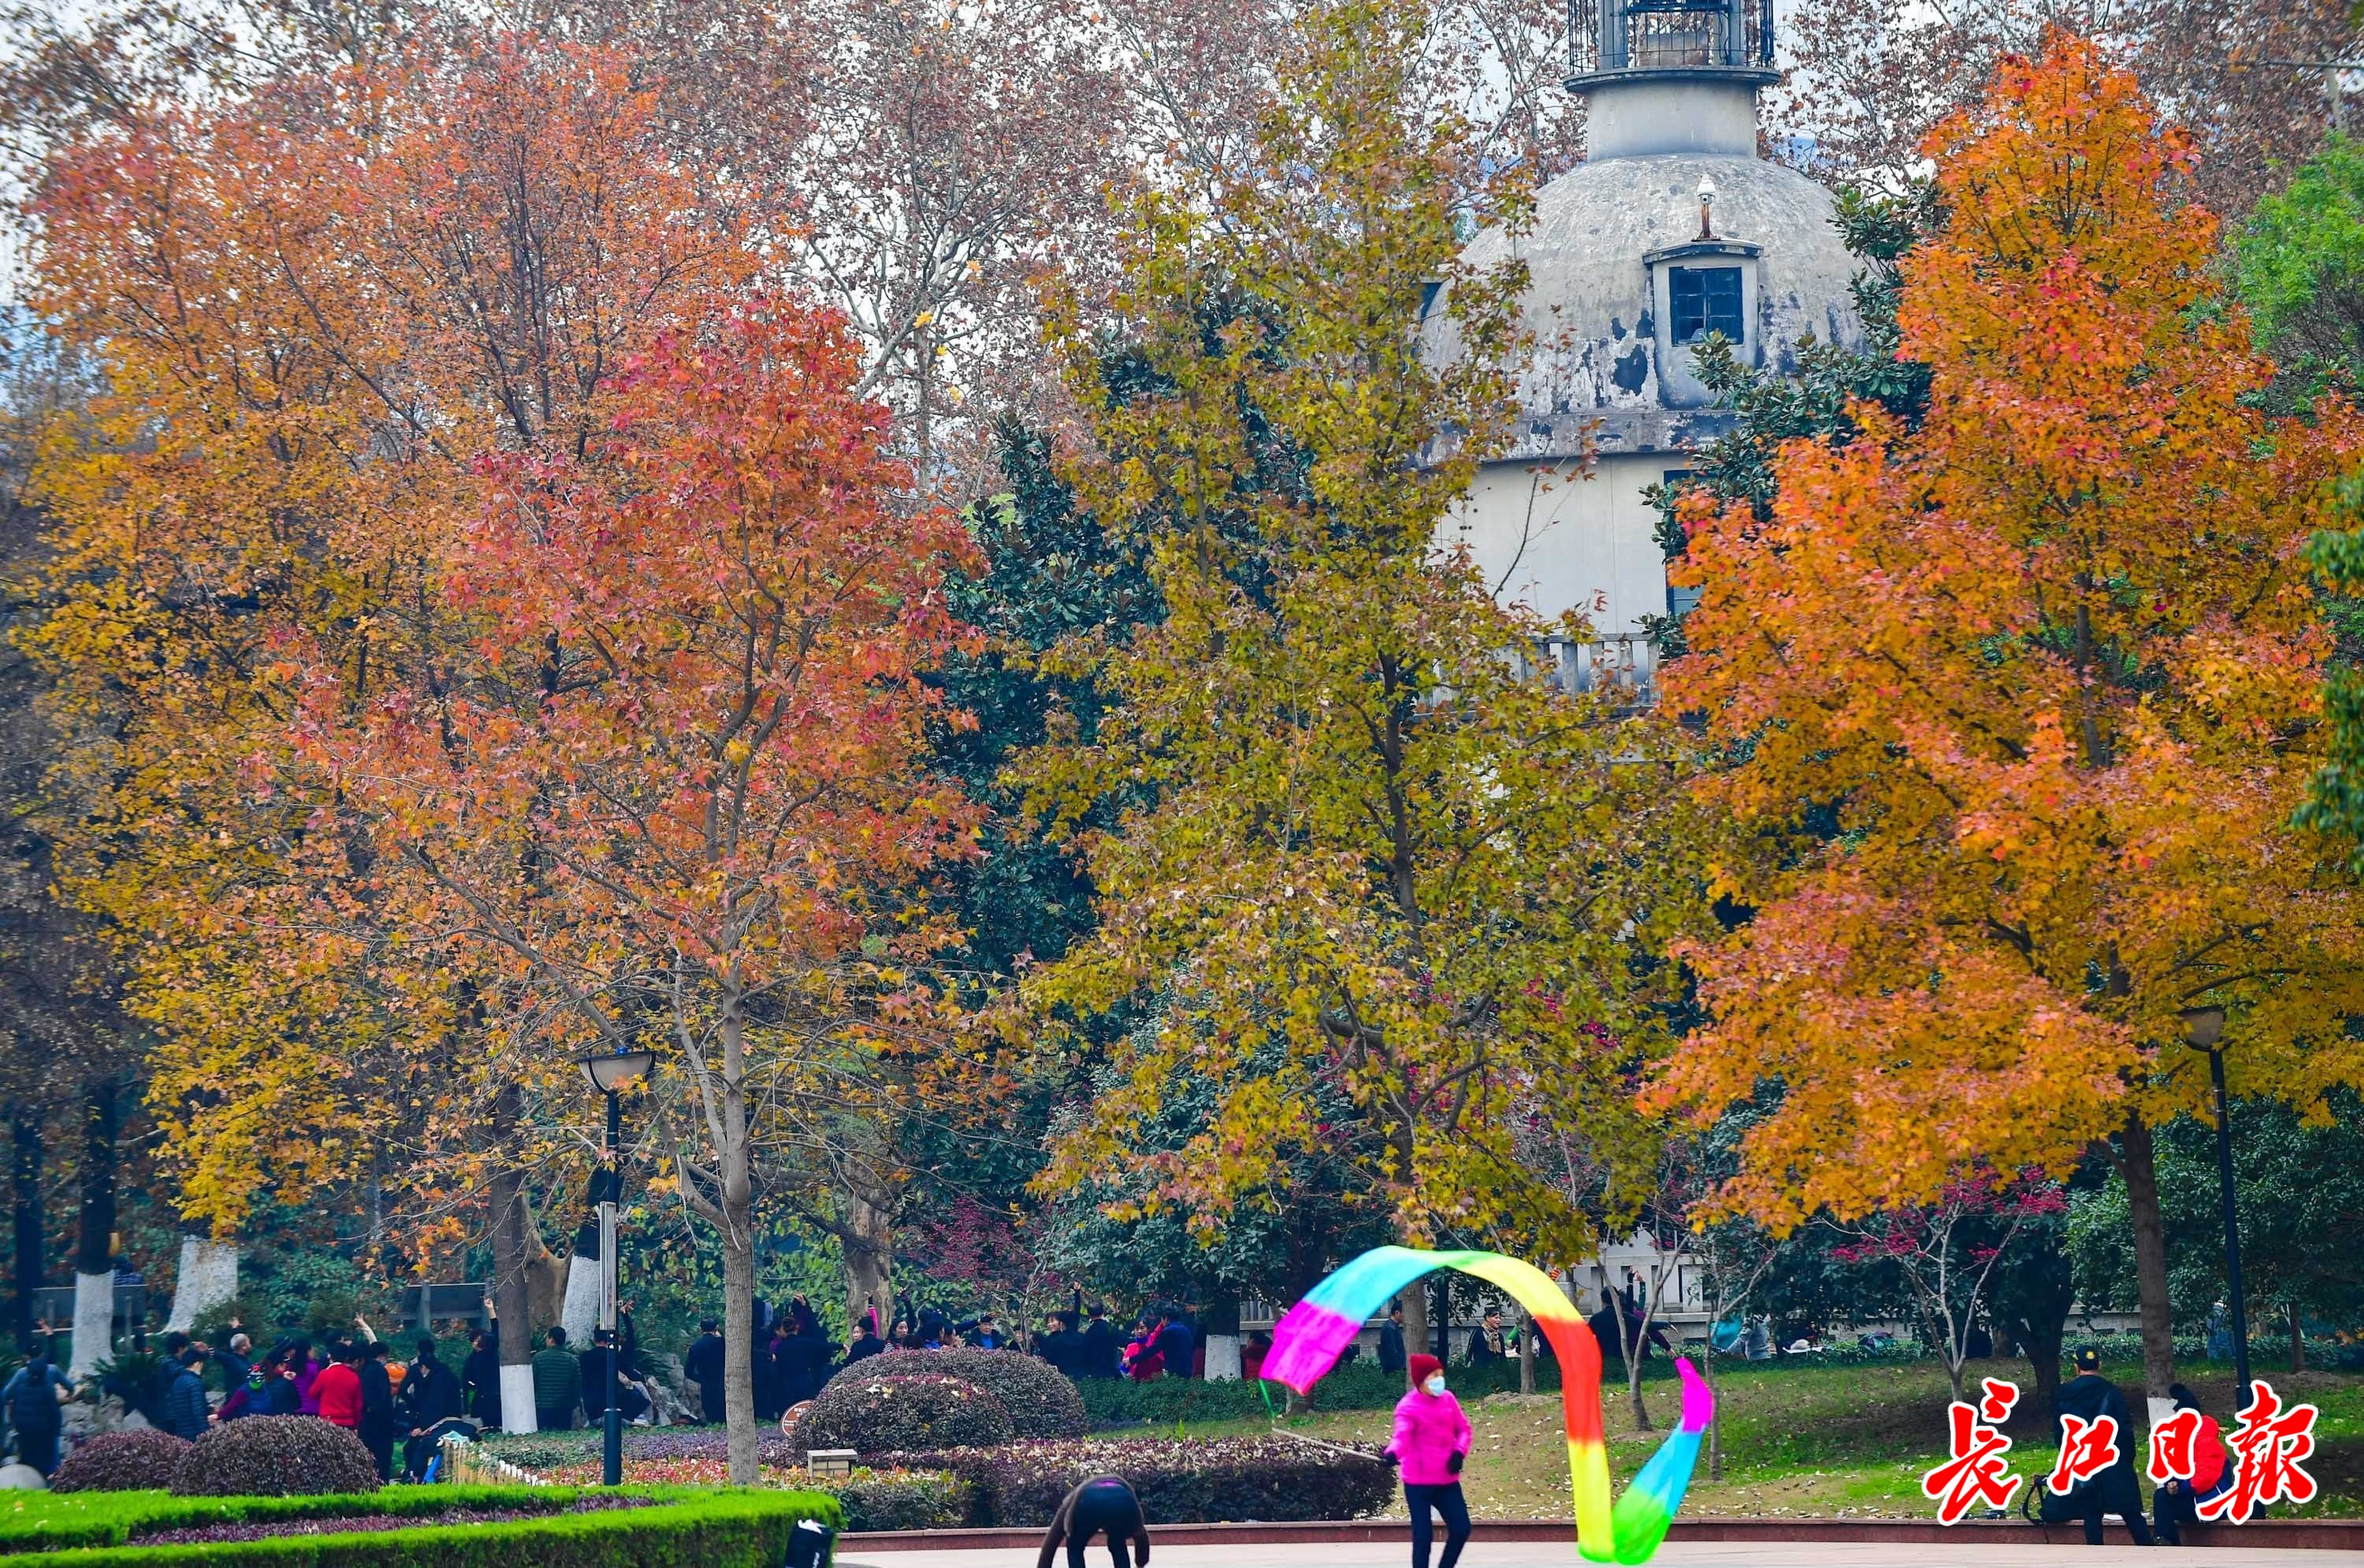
2177 1503
339 1388
1432 1439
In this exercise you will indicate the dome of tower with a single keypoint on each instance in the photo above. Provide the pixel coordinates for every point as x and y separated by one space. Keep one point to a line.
1607 234
1672 232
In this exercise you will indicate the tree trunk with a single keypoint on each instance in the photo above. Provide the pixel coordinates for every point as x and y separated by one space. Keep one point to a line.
93 1339
512 1310
1526 1352
1630 1338
1415 1328
738 1251
1221 1321
2298 1340
25 1132
2150 1269
1715 1417
206 1278
579 1314
869 1256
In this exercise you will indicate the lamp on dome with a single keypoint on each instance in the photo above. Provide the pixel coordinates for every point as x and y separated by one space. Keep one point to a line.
1707 206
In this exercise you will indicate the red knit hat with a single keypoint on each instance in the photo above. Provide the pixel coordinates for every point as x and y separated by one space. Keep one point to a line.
1422 1368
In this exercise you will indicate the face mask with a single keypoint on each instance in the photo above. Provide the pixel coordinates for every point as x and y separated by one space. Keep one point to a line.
1434 1385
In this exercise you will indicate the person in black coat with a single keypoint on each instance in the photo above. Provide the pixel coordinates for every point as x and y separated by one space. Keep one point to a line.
2088 1395
480 1376
187 1414
1107 1506
376 1430
798 1360
1486 1341
430 1396
866 1343
1063 1347
1099 1353
1391 1340
703 1367
29 1402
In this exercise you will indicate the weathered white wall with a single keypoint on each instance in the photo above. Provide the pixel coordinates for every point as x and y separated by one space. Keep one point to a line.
1555 539
1670 114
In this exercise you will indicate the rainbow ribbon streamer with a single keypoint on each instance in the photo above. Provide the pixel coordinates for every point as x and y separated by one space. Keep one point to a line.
1309 1338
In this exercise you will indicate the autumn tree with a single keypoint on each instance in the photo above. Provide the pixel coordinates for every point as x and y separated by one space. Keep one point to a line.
2017 705
716 619
1376 850
314 306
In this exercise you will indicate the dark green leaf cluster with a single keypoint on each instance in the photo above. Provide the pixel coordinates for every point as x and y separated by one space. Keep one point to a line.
2302 1203
2299 263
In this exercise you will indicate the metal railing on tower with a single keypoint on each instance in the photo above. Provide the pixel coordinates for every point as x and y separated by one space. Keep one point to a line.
1606 35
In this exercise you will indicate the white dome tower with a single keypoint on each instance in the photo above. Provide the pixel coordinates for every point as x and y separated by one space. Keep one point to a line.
1672 229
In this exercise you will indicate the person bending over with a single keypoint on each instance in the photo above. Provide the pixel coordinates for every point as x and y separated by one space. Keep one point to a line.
1104 1504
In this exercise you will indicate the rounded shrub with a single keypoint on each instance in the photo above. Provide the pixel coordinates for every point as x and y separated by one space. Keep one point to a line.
898 1499
876 1412
121 1461
1042 1403
275 1456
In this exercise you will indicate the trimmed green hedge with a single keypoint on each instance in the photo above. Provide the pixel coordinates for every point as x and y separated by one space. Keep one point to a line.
1268 1479
704 1527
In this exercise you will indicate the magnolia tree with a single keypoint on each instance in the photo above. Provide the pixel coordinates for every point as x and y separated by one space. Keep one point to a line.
1946 1253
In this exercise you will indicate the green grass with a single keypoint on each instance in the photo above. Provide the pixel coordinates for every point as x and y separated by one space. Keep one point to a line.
730 1528
1813 1440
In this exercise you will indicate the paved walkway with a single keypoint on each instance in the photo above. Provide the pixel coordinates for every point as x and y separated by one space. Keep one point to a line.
1674 1555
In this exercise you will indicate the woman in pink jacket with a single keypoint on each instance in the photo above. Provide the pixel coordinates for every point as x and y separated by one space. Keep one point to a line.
1431 1439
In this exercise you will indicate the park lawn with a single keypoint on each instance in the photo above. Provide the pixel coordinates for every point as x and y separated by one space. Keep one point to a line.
1819 1441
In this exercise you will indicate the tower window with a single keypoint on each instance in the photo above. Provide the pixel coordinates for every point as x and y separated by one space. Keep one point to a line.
1704 300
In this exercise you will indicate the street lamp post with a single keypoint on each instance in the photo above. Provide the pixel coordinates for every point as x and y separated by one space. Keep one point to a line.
608 1072
2204 1029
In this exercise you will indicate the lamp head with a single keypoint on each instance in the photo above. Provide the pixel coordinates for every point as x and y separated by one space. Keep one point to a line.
609 1070
2204 1027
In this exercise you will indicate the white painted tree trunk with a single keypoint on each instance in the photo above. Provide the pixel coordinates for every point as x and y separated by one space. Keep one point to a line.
580 1315
1223 1358
93 1322
207 1278
517 1400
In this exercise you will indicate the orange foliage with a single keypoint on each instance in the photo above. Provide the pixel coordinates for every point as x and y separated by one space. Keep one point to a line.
313 307
2017 705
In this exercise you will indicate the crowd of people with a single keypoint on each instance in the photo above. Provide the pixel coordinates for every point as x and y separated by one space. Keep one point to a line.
350 1381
